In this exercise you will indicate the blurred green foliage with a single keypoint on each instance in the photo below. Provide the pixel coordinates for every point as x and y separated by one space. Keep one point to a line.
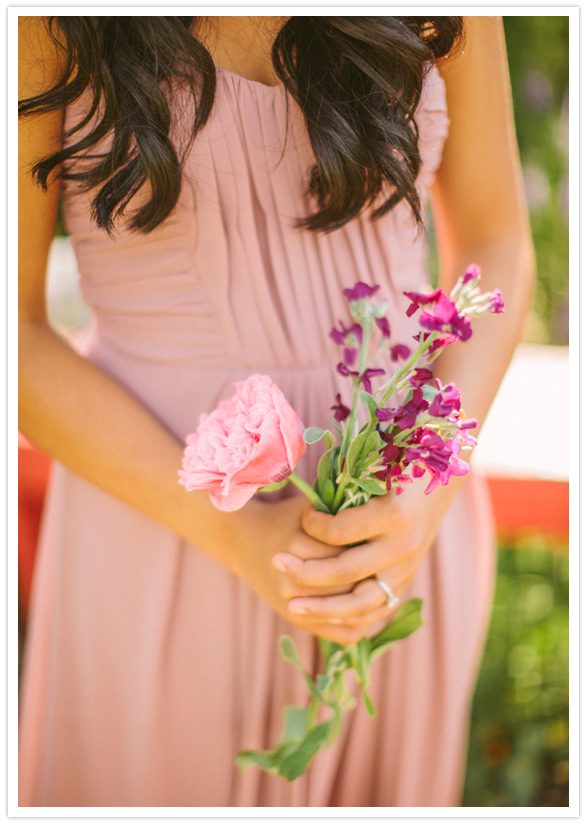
518 746
538 55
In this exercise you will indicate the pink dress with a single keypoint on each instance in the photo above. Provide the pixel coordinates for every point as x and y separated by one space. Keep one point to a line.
149 665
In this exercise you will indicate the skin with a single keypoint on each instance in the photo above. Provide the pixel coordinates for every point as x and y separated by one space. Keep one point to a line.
290 554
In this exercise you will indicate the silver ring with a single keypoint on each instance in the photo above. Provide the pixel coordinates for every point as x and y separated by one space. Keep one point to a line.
391 598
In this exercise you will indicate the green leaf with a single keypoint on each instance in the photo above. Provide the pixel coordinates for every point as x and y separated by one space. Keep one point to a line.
370 485
267 760
296 720
313 434
323 471
429 391
407 619
296 763
354 450
368 401
335 425
328 492
363 659
327 648
329 439
371 710
270 488
290 654
374 443
323 681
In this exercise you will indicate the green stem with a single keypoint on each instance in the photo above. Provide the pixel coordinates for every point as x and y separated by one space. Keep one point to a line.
340 491
388 388
309 491
350 424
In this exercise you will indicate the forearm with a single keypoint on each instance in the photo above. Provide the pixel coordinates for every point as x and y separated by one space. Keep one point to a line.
76 413
477 366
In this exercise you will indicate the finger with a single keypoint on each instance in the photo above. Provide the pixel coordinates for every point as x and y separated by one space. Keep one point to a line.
362 600
353 525
364 622
307 547
354 564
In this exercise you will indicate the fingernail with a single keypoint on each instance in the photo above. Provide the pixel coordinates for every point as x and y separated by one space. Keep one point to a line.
279 563
294 608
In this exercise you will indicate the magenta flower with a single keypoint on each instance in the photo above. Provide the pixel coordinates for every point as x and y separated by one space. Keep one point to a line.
365 376
420 376
472 272
341 411
418 299
456 467
467 424
350 339
383 325
445 318
340 336
360 291
406 415
400 351
395 475
496 303
440 343
445 403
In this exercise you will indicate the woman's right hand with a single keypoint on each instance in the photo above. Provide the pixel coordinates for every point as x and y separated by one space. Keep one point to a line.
254 534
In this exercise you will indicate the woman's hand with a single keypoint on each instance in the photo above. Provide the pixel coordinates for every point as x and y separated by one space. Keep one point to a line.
396 533
255 534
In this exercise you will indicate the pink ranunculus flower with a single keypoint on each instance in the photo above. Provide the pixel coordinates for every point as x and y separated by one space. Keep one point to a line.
250 440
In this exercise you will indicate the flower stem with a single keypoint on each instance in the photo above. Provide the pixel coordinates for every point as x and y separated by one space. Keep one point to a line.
309 491
388 388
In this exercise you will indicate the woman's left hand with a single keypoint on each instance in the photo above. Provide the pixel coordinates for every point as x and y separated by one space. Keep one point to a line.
396 533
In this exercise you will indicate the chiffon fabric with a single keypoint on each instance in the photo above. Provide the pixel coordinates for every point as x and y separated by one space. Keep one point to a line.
148 664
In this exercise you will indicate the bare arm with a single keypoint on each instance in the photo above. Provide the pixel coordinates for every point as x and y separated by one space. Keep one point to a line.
480 216
67 405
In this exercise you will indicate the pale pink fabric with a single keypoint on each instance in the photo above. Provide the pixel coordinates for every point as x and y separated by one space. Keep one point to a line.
148 664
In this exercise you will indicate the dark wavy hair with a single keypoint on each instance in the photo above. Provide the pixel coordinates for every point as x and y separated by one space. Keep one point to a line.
357 80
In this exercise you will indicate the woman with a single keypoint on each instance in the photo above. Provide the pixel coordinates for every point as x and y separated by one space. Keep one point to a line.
152 654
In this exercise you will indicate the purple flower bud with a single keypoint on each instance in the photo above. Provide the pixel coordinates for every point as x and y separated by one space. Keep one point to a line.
342 369
383 325
417 472
496 303
337 336
467 424
341 411
419 377
349 355
359 291
400 351
472 271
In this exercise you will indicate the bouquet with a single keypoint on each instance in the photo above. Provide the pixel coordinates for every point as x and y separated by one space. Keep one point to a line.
253 441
